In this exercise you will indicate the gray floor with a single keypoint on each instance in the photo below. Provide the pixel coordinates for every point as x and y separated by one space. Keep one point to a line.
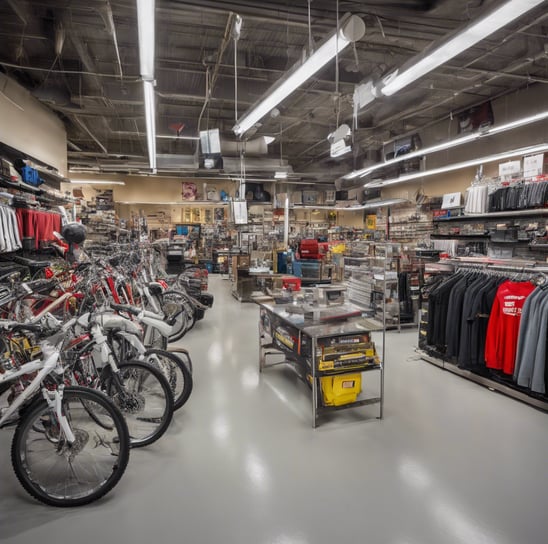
451 462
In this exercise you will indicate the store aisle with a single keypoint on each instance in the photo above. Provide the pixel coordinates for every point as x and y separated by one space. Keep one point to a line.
450 463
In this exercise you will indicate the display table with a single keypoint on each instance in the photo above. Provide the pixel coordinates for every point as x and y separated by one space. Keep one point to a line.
246 282
324 345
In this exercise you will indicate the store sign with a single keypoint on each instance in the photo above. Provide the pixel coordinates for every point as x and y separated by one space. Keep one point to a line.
509 169
451 200
371 222
533 165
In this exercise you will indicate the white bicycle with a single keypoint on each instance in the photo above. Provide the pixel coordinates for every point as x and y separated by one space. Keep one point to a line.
71 445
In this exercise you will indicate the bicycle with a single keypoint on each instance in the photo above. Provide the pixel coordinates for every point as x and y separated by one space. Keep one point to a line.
71 444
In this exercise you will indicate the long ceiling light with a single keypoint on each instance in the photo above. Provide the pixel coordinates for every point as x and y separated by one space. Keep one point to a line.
96 182
459 165
145 24
450 144
471 35
352 28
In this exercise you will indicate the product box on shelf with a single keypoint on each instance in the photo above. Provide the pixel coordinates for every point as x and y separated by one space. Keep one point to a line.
341 389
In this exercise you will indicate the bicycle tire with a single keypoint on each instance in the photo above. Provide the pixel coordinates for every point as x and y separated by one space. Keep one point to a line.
182 384
34 428
189 311
144 428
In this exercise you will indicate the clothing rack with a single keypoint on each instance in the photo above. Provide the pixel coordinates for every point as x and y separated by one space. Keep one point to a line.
532 272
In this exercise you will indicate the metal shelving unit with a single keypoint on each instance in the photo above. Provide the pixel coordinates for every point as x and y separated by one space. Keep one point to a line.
302 341
372 282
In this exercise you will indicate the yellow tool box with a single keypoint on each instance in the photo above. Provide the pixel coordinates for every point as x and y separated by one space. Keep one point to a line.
341 389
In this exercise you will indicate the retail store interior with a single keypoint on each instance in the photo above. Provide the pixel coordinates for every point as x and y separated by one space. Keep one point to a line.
274 272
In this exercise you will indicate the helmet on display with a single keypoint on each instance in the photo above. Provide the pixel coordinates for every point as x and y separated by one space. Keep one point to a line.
74 233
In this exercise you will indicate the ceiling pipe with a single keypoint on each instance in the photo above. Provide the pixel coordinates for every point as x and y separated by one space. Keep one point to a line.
112 30
224 43
88 131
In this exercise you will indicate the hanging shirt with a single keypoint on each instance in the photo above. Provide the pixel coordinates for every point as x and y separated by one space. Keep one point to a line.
503 327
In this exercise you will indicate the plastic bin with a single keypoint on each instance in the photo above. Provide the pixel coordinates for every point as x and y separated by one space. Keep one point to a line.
293 284
341 389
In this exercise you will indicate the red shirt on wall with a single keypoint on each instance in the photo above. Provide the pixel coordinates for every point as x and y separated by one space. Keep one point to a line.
503 327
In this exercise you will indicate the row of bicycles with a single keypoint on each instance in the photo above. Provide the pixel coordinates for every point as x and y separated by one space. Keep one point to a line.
86 370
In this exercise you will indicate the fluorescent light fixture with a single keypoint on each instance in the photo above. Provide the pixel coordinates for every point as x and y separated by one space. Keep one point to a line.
175 137
150 118
95 182
280 175
145 26
357 207
471 35
459 165
385 202
351 29
268 139
452 143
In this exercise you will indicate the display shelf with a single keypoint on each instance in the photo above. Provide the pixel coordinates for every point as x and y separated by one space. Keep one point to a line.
486 382
509 214
337 336
436 236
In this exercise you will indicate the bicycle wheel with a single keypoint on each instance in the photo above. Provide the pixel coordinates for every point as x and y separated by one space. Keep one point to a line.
143 395
188 310
62 474
177 373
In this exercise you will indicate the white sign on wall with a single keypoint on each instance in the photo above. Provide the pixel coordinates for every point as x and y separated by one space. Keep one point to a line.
533 165
509 169
451 200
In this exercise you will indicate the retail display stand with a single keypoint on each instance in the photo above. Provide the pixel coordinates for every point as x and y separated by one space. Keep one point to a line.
373 274
329 348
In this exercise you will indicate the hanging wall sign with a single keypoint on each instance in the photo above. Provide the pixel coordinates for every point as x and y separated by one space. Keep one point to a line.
509 169
451 200
371 222
533 165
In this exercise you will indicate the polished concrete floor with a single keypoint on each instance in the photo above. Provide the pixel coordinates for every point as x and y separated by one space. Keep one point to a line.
451 462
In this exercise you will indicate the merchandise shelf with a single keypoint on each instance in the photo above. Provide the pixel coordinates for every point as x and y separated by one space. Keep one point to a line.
337 334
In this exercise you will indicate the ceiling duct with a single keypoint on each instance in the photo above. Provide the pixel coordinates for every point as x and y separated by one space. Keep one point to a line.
177 162
232 165
257 147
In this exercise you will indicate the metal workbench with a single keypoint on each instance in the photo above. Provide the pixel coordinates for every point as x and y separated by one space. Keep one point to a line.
305 333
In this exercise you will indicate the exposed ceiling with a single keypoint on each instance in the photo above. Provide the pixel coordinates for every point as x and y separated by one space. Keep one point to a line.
81 60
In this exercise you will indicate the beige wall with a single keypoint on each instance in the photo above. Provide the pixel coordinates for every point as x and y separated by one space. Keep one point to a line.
31 128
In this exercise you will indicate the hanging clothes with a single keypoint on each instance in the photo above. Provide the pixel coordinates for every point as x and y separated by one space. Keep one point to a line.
531 369
477 199
9 231
38 224
504 324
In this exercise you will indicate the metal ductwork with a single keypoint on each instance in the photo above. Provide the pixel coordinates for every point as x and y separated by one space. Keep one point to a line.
254 148
177 162
232 165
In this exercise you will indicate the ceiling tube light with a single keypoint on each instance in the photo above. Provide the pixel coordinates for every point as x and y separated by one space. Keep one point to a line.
175 137
145 25
471 35
460 165
450 144
352 28
95 182
150 118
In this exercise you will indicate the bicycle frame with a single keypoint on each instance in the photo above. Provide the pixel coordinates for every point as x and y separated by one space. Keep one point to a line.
44 366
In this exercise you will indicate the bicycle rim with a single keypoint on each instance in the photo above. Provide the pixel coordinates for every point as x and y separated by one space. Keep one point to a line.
62 474
176 372
145 398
